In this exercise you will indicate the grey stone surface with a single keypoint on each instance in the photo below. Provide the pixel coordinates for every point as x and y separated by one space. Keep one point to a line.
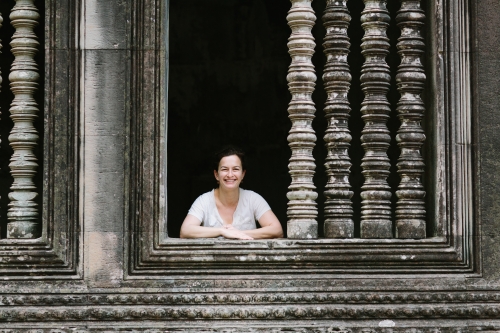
106 57
337 80
488 71
302 229
301 78
101 265
410 229
411 78
375 82
339 229
376 229
24 78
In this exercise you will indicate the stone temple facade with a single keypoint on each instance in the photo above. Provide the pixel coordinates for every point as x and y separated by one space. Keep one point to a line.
373 127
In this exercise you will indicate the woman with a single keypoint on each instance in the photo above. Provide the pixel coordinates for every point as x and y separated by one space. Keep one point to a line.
228 210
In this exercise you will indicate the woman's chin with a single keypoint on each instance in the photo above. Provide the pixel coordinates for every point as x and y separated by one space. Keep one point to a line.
230 186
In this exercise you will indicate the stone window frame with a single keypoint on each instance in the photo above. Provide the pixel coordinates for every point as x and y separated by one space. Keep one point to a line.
55 254
150 254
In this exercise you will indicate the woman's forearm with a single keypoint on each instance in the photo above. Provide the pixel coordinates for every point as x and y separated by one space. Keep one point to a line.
193 231
265 232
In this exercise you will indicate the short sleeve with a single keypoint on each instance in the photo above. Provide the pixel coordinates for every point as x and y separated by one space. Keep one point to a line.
197 208
260 206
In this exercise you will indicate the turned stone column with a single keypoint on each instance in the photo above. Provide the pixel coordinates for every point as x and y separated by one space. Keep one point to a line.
410 209
337 80
302 211
24 76
375 82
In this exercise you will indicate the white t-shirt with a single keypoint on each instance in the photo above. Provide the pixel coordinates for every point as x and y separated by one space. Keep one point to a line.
251 206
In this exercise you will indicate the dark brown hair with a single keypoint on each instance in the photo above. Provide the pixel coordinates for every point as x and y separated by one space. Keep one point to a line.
229 151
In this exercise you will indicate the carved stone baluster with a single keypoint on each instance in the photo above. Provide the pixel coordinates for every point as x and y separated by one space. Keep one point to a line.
410 209
302 211
23 211
337 80
375 82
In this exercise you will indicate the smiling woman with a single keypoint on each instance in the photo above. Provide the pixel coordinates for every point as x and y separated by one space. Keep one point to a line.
228 210
227 69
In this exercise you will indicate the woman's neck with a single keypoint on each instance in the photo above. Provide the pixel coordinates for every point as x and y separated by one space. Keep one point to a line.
228 198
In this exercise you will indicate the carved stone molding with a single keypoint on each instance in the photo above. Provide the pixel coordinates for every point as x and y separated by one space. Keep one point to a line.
260 312
376 219
337 78
227 309
410 210
24 76
253 327
302 211
452 249
412 298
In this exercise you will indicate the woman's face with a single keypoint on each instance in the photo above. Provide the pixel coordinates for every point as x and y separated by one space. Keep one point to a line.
230 173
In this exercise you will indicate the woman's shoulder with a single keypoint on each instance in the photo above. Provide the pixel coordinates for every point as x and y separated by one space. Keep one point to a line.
205 197
256 203
207 194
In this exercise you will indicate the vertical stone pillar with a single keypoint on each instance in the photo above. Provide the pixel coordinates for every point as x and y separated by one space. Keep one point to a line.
410 209
375 82
302 210
337 80
24 76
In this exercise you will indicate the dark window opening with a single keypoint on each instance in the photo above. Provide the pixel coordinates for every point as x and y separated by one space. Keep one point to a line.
228 62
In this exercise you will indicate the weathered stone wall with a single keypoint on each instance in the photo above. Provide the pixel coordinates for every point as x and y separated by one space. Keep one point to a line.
486 61
112 280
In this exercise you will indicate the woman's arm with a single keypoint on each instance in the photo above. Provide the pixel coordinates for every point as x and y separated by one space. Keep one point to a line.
271 227
191 228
